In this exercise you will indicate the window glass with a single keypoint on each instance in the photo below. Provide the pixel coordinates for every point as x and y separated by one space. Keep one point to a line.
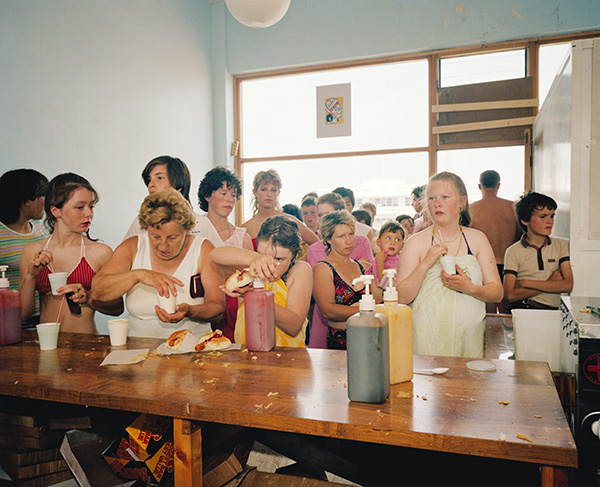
389 111
480 68
385 180
470 163
551 60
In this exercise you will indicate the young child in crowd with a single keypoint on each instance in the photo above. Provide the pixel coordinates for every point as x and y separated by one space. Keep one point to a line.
390 243
407 223
371 208
537 269
363 216
309 213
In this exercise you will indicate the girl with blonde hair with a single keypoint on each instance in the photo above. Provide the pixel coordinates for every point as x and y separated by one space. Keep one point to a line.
266 188
448 309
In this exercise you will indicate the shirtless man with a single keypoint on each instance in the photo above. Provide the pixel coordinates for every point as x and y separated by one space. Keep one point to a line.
495 217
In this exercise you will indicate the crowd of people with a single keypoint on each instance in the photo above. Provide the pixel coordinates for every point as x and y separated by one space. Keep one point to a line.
307 254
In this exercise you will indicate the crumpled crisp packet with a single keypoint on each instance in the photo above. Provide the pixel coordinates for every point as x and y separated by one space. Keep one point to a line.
125 357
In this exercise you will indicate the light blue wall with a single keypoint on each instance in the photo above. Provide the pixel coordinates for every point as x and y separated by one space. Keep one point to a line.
100 88
319 31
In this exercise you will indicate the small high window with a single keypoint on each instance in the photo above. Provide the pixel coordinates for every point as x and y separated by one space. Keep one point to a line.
479 68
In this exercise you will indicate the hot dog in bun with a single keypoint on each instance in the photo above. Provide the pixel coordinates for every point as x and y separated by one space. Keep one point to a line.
213 341
238 280
176 339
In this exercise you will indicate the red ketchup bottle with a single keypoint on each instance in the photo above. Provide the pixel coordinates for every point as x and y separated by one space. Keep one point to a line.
259 307
10 312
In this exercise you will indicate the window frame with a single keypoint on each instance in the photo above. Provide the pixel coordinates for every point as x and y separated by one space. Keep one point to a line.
433 58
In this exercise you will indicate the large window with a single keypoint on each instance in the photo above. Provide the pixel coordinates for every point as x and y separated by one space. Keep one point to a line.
399 134
386 153
389 111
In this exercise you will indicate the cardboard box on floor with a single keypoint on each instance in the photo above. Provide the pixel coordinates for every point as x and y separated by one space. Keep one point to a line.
225 451
83 453
144 451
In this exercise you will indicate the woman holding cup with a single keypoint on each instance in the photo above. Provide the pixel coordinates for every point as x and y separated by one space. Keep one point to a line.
447 273
164 262
61 267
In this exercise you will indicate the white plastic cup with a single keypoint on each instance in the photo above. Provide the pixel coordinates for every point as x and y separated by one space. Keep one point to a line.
168 304
48 335
57 279
448 263
117 330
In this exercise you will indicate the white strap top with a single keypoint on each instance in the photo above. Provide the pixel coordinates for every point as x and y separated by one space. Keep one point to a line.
141 299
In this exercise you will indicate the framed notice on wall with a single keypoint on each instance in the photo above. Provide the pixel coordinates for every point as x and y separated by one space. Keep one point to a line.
334 113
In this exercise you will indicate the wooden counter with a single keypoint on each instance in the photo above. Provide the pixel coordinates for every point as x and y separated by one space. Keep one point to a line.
304 391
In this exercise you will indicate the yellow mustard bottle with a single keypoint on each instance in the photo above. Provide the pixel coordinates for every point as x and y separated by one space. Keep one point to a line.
400 329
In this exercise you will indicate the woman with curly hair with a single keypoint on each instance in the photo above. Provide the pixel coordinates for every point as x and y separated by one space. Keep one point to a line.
161 261
217 195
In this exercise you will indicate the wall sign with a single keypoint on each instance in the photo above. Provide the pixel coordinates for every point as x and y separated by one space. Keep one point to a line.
334 111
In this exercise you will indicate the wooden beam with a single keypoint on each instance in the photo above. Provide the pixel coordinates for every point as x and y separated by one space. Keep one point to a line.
433 117
187 442
485 105
490 124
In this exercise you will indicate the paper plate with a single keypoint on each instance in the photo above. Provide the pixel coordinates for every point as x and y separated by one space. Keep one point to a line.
481 366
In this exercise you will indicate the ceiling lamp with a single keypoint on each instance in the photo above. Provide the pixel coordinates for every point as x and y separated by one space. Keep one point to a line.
258 13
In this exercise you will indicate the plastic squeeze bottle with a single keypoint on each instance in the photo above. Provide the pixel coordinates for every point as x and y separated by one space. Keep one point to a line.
368 350
10 312
259 307
400 325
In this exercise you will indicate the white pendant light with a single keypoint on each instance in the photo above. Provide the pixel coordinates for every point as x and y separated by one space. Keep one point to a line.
258 13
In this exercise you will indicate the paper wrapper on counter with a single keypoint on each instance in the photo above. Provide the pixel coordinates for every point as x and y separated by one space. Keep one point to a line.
144 451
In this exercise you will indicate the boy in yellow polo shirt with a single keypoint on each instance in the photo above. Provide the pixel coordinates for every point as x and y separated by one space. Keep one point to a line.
537 269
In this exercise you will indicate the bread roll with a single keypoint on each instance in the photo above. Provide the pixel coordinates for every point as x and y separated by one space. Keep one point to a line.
176 339
238 280
213 341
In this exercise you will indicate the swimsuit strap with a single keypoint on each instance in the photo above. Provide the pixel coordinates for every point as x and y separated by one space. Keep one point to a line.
465 238
82 252
362 269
